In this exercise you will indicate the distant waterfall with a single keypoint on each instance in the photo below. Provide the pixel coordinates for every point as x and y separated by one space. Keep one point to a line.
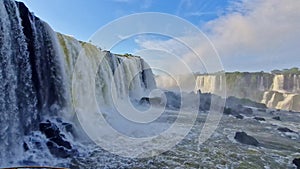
278 83
36 71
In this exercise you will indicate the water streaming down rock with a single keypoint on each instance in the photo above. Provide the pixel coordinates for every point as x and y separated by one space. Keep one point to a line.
280 91
36 71
32 78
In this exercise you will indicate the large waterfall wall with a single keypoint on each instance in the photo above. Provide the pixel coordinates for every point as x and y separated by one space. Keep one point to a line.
281 91
36 71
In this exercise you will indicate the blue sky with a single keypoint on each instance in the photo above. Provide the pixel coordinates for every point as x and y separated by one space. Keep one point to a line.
249 35
82 18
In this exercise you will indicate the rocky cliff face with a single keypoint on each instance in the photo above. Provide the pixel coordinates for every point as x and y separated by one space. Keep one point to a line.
280 91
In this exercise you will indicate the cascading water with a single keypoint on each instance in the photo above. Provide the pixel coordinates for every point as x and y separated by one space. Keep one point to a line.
36 72
32 76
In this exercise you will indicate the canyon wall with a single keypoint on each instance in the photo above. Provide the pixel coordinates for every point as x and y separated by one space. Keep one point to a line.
280 91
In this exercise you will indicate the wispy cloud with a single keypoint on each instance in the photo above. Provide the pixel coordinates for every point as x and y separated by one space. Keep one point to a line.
197 13
253 35
146 4
182 5
258 34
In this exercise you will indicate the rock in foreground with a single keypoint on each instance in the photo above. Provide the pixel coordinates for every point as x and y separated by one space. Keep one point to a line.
242 137
259 119
296 161
285 129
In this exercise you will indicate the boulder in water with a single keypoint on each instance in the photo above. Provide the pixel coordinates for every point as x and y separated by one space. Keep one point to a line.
296 161
238 116
227 111
247 111
25 146
57 144
276 118
285 129
259 119
242 137
58 151
152 100
68 127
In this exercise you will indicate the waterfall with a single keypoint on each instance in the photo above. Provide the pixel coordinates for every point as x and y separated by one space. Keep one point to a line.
278 83
298 83
31 74
261 84
36 72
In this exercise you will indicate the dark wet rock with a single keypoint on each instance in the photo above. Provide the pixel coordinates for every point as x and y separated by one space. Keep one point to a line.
239 116
276 118
234 101
247 111
242 137
68 127
58 151
272 112
205 101
259 119
61 142
285 129
296 161
144 100
238 110
58 119
25 146
227 111
57 144
152 101
49 129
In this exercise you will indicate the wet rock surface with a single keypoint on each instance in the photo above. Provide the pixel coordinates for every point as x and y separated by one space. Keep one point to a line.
285 129
242 137
259 119
296 161
57 142
276 118
239 116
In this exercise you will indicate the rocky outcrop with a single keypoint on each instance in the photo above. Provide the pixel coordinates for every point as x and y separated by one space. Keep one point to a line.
276 118
57 142
259 119
242 137
296 161
285 129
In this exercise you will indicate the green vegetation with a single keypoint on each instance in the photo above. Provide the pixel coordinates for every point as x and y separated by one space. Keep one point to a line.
293 70
128 55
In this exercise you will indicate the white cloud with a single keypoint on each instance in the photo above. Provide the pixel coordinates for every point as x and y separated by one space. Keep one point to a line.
266 31
146 4
198 13
253 35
